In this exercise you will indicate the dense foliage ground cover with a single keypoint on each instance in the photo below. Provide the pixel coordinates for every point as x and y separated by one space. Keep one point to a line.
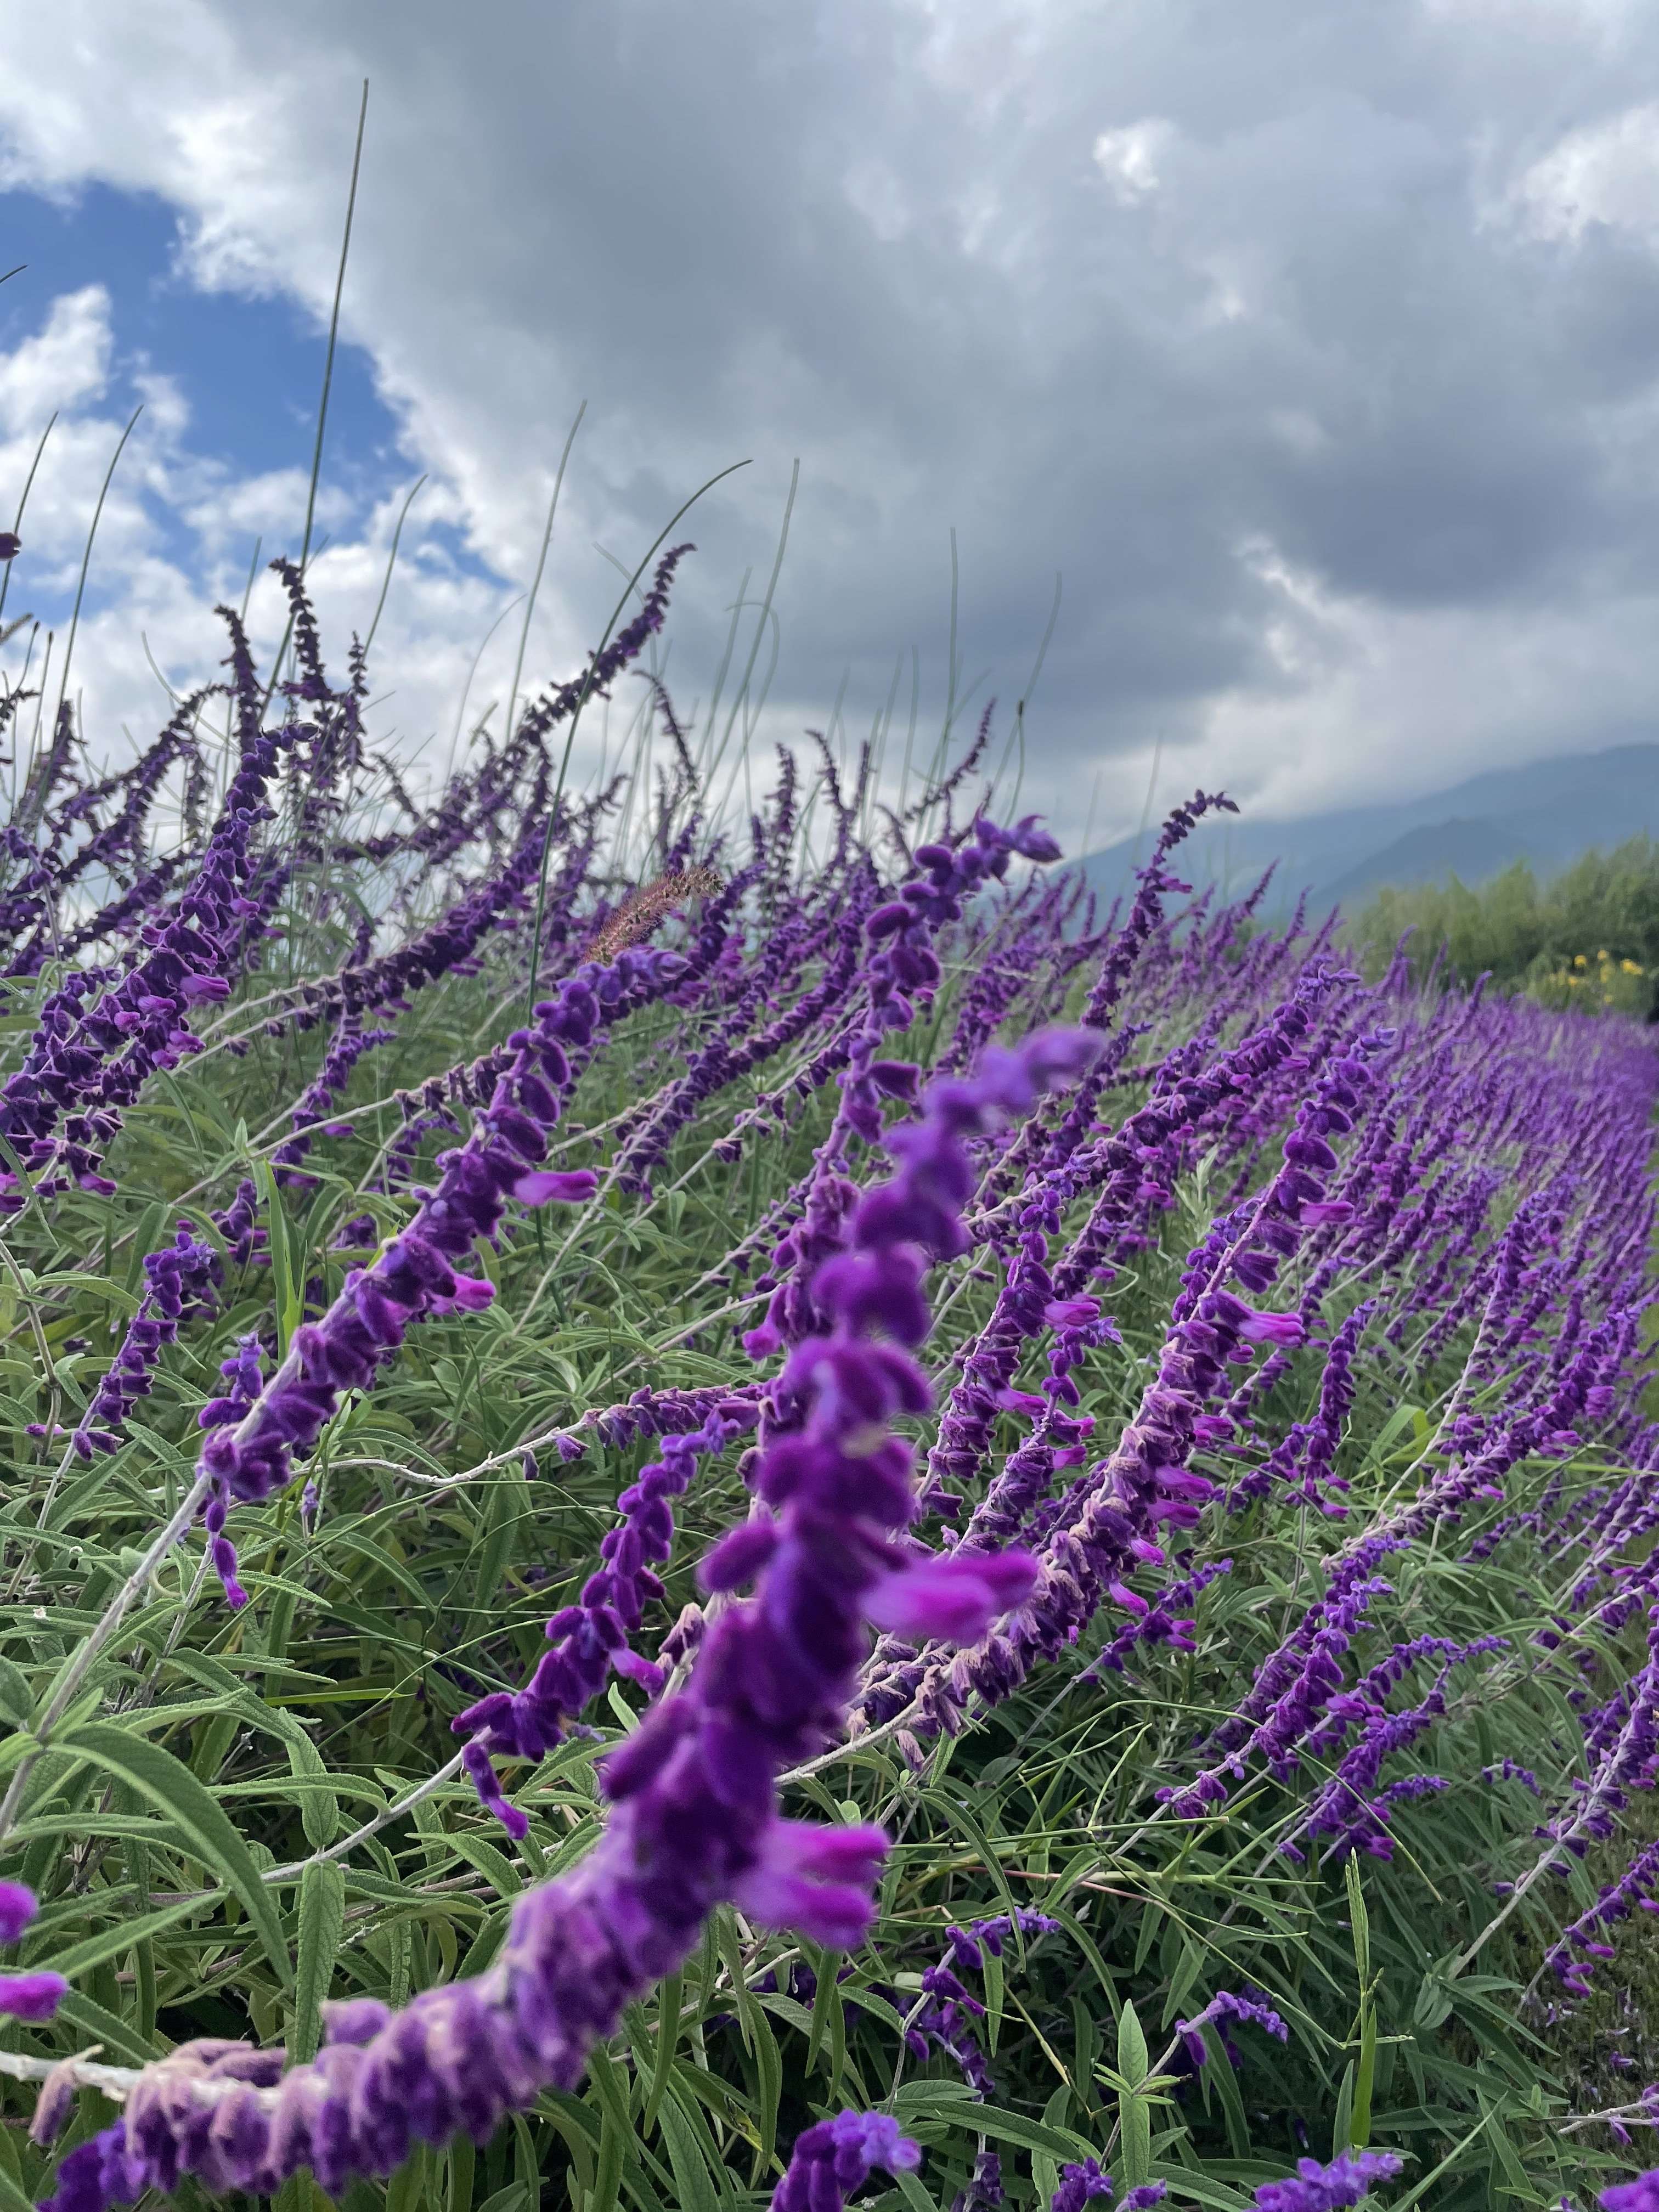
1586 939
1177 1408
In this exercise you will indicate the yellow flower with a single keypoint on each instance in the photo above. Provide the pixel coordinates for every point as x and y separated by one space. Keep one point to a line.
1579 961
1630 967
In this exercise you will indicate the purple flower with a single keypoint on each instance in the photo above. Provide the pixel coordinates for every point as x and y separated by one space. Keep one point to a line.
949 2014
1640 2195
815 1879
1225 2006
694 1820
183 1276
32 1997
589 1640
1315 2188
238 1223
1080 2185
984 2192
555 1185
832 2159
100 1039
953 1596
415 1274
18 1907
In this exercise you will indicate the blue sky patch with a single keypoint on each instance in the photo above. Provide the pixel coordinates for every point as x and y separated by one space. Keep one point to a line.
251 369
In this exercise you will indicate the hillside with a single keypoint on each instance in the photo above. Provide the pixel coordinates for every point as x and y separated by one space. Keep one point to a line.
1546 812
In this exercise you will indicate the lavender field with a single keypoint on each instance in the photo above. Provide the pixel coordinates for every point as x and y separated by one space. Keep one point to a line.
721 1504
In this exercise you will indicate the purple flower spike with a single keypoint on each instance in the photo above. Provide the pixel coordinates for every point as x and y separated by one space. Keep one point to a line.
953 1596
832 2160
180 1279
1223 2007
1315 2188
1640 2195
814 1880
18 1907
32 1997
694 1819
558 1186
589 1639
416 1274
1080 2185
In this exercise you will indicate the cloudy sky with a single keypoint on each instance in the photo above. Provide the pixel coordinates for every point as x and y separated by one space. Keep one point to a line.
1314 350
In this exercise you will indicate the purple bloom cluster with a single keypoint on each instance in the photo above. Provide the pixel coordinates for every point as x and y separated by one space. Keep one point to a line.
1088 2184
415 1274
238 1225
589 1640
1120 1512
833 2158
181 1276
351 1041
1225 2006
693 1791
1640 2195
1424 1207
1306 1460
32 1997
96 1048
902 971
1315 2188
951 2009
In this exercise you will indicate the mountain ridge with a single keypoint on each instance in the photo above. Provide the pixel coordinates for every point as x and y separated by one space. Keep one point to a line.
1545 812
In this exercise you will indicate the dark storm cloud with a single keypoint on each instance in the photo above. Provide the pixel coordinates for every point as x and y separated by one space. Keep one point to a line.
1154 295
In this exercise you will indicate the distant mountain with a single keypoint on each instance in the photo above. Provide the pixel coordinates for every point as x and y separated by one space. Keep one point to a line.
1472 851
1546 814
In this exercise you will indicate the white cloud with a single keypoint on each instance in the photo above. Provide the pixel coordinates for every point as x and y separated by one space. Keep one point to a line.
877 235
1411 690
64 363
1604 172
141 594
1131 160
877 193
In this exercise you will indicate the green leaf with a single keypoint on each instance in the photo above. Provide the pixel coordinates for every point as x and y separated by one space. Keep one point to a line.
1135 2120
511 1510
607 2178
497 1870
1184 2182
12 2198
168 1784
121 2040
1342 2126
114 1941
827 2015
322 1925
668 2035
1132 2061
932 2100
1045 2166
319 1810
1031 2134
1134 2117
288 1293
695 2184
